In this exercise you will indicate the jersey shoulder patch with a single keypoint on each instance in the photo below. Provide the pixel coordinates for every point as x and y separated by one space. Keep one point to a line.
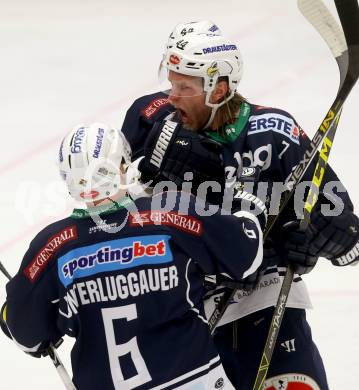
45 246
187 223
155 106
266 119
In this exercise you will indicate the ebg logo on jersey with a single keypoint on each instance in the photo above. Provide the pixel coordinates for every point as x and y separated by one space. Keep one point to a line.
114 255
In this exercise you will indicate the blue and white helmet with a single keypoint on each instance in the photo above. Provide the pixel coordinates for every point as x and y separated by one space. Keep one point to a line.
89 161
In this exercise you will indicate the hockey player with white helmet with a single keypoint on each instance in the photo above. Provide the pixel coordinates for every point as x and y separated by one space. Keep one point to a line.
207 57
128 286
238 140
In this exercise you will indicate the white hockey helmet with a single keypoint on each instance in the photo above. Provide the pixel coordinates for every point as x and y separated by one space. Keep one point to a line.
207 56
89 161
181 30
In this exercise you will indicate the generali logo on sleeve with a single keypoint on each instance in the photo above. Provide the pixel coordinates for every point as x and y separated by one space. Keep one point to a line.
183 222
154 106
43 257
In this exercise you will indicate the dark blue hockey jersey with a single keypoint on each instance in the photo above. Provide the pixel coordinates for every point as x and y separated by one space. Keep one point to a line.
129 287
264 138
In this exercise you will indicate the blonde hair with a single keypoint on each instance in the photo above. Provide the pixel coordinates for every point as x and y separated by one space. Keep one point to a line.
228 113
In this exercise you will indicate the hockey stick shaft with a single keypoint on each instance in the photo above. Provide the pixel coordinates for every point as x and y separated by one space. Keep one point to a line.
333 33
60 368
348 79
318 175
295 178
289 275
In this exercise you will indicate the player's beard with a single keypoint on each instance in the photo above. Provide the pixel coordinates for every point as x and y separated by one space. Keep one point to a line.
192 124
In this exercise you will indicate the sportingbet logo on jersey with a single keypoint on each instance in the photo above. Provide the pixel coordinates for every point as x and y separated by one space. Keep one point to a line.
274 122
114 255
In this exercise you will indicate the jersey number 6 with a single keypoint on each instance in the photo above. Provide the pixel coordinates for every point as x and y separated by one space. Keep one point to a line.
129 312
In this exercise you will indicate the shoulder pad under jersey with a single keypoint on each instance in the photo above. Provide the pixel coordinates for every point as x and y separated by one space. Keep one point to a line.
274 120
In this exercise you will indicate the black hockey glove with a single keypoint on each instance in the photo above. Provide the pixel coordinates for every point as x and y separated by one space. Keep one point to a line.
43 349
244 203
171 151
332 237
297 249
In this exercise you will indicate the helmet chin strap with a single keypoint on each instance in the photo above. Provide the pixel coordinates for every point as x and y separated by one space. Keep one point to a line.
211 117
215 107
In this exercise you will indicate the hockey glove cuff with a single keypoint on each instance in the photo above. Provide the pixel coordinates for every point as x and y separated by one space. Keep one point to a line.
44 349
244 202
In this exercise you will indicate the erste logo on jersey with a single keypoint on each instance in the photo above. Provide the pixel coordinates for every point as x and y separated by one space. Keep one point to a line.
43 257
113 256
274 122
186 223
154 106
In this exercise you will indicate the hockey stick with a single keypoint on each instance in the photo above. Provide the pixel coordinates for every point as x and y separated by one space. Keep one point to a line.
346 53
61 370
322 20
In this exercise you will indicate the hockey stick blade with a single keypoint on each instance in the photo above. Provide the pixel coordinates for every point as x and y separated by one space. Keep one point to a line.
324 23
60 368
322 20
349 71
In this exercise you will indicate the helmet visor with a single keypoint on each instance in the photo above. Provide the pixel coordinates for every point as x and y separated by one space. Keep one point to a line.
176 84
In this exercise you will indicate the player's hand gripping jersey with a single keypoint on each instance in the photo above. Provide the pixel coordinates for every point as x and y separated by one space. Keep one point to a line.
270 141
131 296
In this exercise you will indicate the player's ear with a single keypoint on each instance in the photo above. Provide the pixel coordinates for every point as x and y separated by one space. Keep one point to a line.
220 92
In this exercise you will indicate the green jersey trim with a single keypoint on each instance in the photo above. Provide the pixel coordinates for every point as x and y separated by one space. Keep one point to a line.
103 210
233 131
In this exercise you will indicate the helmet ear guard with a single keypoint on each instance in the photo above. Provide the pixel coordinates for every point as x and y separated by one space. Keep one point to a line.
89 161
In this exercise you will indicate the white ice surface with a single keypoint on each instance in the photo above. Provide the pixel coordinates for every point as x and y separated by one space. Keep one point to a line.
65 62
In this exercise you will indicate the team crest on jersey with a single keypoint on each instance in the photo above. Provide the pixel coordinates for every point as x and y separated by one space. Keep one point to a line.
278 123
113 255
154 106
44 256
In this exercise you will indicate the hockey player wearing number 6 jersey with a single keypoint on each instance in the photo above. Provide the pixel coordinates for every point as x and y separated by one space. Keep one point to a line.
125 278
203 73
